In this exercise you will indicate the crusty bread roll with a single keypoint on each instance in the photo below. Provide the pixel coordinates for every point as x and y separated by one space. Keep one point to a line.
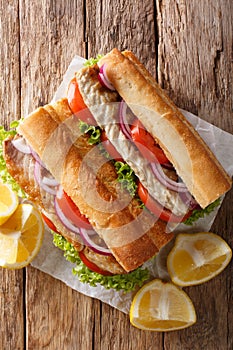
191 157
132 234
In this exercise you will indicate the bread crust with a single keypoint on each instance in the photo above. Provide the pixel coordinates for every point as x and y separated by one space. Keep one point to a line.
21 167
191 157
78 176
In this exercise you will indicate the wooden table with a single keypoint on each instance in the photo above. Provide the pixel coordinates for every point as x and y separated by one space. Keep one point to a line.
187 46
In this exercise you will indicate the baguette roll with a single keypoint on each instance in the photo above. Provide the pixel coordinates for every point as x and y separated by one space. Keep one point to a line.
131 240
176 136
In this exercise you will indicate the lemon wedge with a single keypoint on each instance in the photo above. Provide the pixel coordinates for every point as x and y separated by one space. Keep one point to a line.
160 306
198 257
21 237
8 202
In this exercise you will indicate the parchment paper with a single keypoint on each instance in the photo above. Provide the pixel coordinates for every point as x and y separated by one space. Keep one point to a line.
50 259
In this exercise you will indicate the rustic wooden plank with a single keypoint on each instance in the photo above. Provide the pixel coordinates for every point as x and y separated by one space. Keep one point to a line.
116 333
125 25
194 60
11 282
9 62
50 36
57 317
197 38
12 310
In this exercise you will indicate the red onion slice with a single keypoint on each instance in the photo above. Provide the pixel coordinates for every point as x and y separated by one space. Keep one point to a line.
59 192
124 125
103 78
21 145
67 223
89 236
50 181
189 200
37 158
165 180
39 179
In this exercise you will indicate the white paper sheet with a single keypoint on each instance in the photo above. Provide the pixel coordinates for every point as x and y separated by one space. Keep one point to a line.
50 259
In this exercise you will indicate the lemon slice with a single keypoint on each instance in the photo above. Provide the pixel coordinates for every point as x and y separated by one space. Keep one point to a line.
21 237
8 202
196 258
160 306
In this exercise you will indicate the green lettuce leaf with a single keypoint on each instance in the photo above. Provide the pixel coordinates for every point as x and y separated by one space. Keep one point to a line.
94 132
126 177
126 282
93 60
201 213
4 174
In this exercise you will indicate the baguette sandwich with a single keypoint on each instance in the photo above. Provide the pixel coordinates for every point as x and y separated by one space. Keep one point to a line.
113 167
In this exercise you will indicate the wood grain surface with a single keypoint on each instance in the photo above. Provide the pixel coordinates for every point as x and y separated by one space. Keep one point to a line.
187 45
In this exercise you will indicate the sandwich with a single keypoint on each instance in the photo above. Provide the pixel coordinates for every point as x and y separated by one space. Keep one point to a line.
114 167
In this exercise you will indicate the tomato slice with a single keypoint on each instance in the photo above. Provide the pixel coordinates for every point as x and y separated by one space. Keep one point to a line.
49 223
71 211
110 148
93 267
157 209
146 143
76 103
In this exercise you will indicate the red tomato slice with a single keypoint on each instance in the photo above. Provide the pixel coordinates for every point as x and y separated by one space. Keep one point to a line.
77 104
93 267
146 143
49 223
71 211
157 209
110 148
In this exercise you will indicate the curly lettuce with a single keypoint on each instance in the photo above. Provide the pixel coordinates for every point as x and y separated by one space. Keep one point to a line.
94 132
4 174
126 177
201 213
126 282
93 60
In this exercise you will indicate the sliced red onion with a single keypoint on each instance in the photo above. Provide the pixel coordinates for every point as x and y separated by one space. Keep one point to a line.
165 180
124 125
37 158
67 223
37 172
50 181
188 199
59 192
103 78
21 145
88 239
